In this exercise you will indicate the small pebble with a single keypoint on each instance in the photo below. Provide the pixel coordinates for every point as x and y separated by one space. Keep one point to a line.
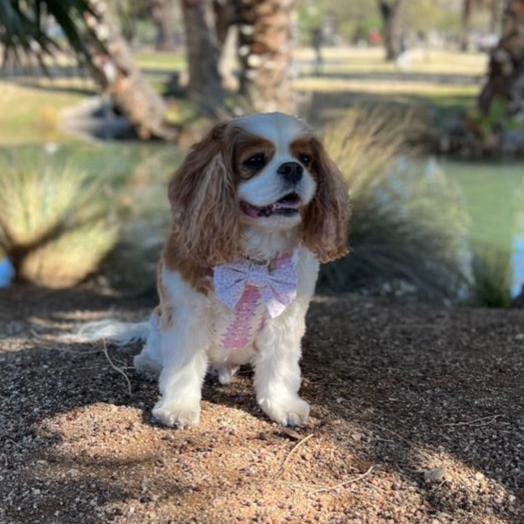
434 475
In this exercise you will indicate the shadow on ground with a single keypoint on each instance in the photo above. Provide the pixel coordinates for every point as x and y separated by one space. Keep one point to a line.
417 415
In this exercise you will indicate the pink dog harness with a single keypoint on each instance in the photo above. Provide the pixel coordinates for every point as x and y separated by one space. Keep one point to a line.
249 290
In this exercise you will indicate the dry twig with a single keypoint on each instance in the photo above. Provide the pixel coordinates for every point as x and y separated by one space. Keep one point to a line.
342 484
293 450
117 369
489 418
403 439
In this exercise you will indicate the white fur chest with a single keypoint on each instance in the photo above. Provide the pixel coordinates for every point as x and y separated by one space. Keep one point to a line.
212 318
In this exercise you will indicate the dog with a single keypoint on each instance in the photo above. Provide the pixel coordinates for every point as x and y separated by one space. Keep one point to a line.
256 206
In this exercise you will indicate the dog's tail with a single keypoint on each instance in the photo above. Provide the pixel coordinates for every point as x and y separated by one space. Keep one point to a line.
115 332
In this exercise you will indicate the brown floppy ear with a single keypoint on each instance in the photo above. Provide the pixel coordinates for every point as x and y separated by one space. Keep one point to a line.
202 194
325 223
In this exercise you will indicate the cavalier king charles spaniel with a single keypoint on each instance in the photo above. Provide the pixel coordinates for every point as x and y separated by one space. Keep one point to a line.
256 205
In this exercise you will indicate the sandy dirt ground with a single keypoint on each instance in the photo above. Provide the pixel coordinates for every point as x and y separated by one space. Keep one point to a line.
417 416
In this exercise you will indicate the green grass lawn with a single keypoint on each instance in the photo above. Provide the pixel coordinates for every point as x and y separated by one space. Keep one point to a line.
156 61
29 114
371 60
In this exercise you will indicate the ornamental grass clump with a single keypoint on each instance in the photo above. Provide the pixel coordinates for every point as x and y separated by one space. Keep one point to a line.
408 229
54 221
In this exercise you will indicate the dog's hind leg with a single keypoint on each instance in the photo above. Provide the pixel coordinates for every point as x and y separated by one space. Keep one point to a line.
149 361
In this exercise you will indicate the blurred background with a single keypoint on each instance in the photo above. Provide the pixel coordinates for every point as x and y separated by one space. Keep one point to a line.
420 102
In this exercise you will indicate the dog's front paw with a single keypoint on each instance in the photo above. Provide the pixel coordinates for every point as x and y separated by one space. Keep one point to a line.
292 411
177 414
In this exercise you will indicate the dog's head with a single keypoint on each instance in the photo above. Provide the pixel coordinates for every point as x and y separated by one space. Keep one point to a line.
266 171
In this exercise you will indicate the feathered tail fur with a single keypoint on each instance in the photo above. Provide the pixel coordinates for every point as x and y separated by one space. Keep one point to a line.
116 332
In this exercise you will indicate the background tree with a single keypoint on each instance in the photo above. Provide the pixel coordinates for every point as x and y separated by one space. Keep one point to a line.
127 13
265 41
392 12
426 16
492 11
467 9
162 14
92 33
203 52
227 20
117 73
495 8
505 83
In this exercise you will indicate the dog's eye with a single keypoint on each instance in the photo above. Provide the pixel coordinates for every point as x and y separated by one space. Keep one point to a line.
256 161
305 159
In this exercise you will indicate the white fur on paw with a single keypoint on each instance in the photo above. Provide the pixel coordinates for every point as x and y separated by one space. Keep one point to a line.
292 411
176 414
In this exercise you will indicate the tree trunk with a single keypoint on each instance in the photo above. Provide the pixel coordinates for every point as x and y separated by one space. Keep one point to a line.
391 12
494 16
226 14
203 52
227 20
265 35
162 15
116 72
505 82
466 24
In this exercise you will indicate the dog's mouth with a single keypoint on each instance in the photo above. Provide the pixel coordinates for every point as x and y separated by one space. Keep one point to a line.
288 205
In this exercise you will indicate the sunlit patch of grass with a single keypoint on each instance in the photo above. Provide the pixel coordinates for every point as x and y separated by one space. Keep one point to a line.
31 114
408 227
440 81
371 60
54 221
390 87
161 61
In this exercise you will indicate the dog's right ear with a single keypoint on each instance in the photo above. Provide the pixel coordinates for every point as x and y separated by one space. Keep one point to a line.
202 194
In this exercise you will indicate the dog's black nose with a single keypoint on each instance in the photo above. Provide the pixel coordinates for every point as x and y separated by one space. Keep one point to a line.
291 172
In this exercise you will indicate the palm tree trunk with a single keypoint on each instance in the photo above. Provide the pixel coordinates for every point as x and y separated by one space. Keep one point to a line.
494 15
466 24
505 82
391 12
162 15
203 52
227 18
116 72
265 38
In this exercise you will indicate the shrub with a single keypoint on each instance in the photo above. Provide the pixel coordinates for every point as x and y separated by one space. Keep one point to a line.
492 275
53 220
408 227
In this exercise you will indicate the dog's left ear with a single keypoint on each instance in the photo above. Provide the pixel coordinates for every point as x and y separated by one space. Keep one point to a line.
325 224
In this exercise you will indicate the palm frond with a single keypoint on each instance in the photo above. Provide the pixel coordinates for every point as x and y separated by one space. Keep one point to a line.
24 27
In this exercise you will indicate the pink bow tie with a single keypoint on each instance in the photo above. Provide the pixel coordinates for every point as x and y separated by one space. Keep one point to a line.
278 287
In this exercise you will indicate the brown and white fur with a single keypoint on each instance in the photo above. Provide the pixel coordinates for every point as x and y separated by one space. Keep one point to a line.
215 196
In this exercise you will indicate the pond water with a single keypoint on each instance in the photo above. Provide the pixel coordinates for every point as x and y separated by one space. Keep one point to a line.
494 197
493 193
